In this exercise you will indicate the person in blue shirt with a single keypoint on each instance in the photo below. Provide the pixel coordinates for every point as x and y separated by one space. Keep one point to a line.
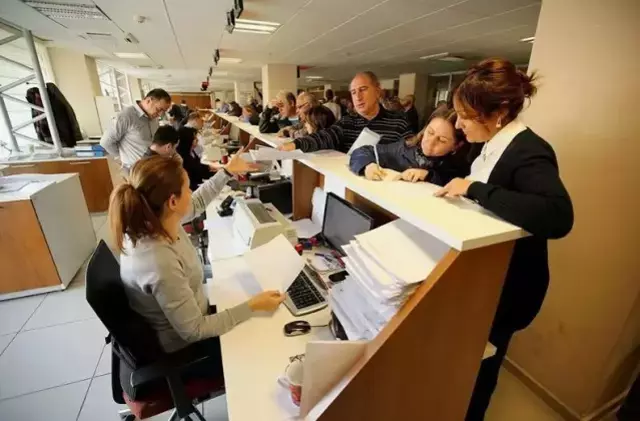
437 154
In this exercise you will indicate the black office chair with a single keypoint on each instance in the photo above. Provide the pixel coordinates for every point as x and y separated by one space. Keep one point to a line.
143 376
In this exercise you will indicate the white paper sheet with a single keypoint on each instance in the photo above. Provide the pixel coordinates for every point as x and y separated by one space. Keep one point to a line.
405 251
318 201
391 175
275 264
306 228
234 280
366 137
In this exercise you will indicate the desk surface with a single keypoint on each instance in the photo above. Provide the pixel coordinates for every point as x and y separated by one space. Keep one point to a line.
460 224
268 138
36 182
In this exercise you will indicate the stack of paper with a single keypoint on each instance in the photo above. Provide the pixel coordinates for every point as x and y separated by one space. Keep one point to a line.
385 266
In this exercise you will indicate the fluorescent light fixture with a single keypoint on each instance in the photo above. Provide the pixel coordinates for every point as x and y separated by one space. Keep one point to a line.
255 27
251 31
314 77
66 10
233 60
257 22
131 55
528 39
219 74
453 59
434 56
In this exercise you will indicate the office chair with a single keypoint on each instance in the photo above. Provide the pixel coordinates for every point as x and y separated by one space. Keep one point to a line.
143 376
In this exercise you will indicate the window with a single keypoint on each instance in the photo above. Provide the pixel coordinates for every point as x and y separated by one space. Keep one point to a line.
114 84
9 72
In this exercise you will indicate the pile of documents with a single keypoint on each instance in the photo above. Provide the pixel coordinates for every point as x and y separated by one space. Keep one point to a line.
385 267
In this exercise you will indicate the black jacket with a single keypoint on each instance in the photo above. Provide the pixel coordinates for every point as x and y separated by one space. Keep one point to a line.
271 122
525 189
399 156
413 119
63 114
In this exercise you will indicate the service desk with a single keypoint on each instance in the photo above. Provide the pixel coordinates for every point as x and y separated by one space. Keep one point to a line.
426 359
247 132
95 175
37 221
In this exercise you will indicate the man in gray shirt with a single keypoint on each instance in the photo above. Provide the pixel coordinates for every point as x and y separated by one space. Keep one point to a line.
131 134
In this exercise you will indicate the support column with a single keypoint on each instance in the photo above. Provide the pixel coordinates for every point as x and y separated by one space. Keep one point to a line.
582 348
278 77
134 88
414 84
77 77
236 91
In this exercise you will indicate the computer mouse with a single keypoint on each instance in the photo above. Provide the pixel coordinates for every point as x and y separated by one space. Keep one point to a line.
296 328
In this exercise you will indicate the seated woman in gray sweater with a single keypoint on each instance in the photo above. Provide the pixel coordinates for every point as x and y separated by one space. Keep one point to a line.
160 268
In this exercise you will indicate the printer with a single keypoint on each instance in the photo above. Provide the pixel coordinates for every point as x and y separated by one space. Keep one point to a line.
257 223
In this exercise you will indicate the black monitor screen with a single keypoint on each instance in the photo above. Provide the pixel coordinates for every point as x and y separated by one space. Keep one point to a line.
342 222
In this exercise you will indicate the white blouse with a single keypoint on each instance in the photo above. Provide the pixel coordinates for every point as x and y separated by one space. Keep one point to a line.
492 151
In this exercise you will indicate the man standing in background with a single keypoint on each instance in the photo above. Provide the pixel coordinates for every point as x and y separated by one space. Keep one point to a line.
131 134
409 105
331 104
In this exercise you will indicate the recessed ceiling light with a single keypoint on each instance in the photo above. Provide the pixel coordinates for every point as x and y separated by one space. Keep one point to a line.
254 27
251 31
528 39
434 56
66 10
313 77
257 22
230 60
131 55
451 58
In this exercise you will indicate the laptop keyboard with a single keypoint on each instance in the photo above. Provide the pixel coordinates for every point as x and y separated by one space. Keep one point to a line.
304 293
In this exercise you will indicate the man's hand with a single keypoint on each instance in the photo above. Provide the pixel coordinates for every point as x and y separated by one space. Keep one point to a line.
414 175
237 165
287 147
373 172
456 187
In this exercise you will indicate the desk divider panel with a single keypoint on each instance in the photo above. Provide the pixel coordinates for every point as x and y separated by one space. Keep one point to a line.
423 364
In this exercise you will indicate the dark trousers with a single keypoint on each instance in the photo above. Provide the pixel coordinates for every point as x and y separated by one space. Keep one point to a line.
487 379
630 409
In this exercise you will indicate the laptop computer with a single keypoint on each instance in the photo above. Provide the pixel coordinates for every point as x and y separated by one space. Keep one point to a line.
341 223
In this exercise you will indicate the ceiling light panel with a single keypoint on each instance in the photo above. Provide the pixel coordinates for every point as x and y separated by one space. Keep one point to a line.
255 27
252 31
67 10
141 56
257 22
233 60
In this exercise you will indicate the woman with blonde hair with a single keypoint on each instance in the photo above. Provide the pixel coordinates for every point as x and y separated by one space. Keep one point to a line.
160 268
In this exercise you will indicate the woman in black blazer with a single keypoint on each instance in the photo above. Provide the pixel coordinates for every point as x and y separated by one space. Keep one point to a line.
516 177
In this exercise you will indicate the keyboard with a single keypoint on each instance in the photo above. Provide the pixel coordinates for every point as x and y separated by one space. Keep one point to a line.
303 296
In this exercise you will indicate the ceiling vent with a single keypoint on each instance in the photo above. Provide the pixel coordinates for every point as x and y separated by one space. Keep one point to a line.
67 10
100 36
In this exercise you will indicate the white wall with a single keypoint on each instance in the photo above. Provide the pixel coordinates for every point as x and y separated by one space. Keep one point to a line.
278 77
77 78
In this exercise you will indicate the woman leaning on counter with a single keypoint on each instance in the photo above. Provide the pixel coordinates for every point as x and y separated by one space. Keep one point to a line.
516 177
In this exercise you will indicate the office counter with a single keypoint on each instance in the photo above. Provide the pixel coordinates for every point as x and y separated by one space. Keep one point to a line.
425 360
36 223
94 172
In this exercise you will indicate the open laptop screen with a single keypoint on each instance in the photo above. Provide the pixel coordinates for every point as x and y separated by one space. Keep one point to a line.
342 222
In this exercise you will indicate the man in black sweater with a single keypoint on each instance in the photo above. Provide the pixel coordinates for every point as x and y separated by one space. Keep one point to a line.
409 104
365 92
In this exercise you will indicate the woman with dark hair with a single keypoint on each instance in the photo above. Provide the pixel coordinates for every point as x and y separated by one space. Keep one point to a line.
516 177
235 109
437 154
196 171
317 118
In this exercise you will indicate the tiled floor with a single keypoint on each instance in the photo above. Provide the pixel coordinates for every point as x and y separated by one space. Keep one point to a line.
54 365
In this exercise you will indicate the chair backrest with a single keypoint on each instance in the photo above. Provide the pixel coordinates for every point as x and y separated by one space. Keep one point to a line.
105 293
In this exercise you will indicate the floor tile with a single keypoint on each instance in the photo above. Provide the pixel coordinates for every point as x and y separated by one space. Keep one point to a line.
216 409
43 358
56 404
61 307
5 340
99 404
104 366
514 401
14 313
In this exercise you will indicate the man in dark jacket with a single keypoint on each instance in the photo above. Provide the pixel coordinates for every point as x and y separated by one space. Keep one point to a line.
409 104
279 113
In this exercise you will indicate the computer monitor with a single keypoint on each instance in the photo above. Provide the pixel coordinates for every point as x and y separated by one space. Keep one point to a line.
342 222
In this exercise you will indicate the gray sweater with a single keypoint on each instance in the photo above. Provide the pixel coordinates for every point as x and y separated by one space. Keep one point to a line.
164 283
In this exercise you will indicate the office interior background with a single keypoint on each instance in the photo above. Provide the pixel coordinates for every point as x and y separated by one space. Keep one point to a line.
577 359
